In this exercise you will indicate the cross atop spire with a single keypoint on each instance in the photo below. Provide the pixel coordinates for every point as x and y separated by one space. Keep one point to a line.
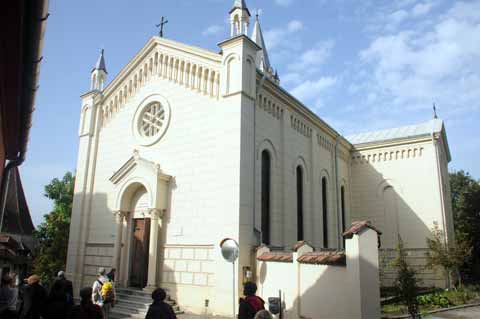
435 116
100 65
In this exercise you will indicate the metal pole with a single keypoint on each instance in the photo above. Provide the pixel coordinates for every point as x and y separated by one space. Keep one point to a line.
233 289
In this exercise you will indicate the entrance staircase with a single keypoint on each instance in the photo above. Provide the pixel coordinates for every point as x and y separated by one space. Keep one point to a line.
133 303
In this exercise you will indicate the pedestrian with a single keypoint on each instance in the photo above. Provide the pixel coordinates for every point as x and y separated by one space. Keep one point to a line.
263 314
67 287
86 309
159 309
8 297
34 297
250 304
111 275
57 305
103 293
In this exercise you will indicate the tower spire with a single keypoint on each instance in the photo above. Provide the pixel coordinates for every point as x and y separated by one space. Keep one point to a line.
99 74
239 18
263 62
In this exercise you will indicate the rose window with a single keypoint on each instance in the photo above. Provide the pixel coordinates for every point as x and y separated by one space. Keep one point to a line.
152 120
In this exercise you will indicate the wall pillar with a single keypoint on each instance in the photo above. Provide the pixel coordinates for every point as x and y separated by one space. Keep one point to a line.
155 215
117 254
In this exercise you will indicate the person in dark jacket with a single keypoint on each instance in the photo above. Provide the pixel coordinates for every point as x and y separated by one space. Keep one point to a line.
87 309
34 297
159 309
67 286
250 304
58 305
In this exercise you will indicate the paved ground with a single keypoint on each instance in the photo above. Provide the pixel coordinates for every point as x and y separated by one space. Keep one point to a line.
188 316
465 313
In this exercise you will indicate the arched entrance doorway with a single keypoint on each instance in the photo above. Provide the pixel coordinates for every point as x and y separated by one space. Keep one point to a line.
140 201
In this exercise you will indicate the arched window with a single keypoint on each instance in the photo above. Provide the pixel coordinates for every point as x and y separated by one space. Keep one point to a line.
299 203
266 189
325 212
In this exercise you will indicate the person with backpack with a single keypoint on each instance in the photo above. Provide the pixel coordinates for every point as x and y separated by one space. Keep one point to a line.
250 304
159 309
86 309
103 293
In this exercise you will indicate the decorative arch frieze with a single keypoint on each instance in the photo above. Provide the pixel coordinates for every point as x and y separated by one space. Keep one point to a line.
190 72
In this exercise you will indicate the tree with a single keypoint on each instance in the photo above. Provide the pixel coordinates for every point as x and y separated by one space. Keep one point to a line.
466 216
52 234
450 258
406 284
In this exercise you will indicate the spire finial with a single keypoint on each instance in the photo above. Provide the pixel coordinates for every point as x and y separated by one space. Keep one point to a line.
435 116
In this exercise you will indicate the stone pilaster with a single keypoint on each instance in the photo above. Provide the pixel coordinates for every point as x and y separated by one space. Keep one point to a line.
155 216
119 219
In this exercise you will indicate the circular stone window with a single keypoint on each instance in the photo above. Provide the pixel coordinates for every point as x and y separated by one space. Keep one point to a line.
151 120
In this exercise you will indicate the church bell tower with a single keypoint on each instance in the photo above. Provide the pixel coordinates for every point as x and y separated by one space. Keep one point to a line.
239 18
99 74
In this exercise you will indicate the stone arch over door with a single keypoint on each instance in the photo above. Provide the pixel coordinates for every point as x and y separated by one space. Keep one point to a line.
138 179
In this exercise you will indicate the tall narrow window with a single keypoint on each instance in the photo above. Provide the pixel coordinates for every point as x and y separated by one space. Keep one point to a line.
325 212
299 203
342 203
266 167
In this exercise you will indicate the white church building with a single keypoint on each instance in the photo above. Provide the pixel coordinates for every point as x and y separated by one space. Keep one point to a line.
186 147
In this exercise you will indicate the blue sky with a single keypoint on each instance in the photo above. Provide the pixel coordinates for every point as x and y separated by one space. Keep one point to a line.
360 65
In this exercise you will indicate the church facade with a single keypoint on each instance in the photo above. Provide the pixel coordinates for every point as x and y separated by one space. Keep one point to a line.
186 147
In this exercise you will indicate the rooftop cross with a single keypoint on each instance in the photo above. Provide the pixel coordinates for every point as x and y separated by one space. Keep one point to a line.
435 116
161 24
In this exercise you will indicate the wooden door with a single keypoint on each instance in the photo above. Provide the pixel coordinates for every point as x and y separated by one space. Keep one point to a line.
140 244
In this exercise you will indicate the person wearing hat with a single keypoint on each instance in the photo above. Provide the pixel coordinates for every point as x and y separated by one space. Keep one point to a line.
34 297
251 304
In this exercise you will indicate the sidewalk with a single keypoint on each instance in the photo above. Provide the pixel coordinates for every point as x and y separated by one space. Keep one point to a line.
465 313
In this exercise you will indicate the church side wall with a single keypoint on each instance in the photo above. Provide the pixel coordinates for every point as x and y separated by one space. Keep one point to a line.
396 187
293 140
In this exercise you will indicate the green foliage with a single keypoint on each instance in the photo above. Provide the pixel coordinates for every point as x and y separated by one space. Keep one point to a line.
438 299
434 300
450 258
406 285
466 217
52 234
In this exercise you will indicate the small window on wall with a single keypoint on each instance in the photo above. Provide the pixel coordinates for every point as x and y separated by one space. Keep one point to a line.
266 190
325 212
300 235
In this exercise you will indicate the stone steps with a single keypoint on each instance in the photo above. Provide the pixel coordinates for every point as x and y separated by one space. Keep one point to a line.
133 304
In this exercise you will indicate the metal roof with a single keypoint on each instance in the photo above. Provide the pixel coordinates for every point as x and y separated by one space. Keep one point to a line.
422 129
100 65
240 4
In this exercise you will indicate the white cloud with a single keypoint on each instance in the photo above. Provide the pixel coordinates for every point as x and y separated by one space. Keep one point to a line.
313 57
413 68
309 89
294 26
284 3
421 9
278 36
213 30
